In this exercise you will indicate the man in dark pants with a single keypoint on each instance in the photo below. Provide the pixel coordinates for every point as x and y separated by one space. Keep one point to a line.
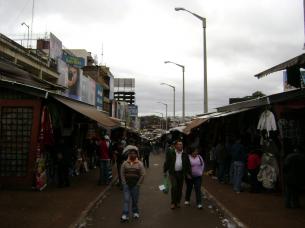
146 154
177 164
293 170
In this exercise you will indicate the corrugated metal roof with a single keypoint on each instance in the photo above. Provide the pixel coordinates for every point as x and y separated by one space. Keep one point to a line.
298 61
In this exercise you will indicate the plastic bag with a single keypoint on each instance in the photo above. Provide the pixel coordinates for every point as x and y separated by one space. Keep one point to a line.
165 186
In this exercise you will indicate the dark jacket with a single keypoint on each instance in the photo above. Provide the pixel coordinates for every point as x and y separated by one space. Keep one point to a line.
170 161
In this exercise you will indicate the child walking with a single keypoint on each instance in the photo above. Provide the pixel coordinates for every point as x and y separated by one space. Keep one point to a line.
132 174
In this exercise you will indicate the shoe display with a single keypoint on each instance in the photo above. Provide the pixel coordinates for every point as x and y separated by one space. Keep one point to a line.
199 206
187 203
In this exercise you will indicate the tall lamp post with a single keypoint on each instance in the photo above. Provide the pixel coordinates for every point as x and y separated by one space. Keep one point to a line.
173 87
27 43
183 91
205 80
165 113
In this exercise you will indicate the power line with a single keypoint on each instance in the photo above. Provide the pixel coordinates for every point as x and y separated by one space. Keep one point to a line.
18 15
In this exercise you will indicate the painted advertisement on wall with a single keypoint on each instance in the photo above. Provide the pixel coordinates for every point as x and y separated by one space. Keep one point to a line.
62 69
55 47
99 97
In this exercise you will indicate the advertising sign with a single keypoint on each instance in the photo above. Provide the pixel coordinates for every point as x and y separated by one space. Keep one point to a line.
55 47
84 89
73 60
92 91
133 110
99 97
62 69
111 87
74 81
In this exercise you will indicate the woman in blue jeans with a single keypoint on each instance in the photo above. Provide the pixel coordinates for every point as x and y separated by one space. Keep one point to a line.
197 166
132 175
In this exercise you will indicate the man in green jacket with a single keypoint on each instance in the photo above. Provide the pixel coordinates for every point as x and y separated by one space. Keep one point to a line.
177 165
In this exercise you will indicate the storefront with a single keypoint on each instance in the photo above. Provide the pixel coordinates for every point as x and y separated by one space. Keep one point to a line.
32 122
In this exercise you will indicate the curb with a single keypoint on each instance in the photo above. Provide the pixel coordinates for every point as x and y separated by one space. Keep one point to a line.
223 209
80 222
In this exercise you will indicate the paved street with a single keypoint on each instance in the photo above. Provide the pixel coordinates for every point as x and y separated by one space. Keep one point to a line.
154 206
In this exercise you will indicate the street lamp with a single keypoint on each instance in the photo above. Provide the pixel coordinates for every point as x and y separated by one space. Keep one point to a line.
183 91
165 113
27 43
205 81
174 108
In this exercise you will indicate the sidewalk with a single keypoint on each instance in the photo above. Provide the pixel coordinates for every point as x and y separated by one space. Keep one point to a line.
256 210
53 207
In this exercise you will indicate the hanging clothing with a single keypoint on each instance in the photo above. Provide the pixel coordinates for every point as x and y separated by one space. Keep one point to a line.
267 122
269 171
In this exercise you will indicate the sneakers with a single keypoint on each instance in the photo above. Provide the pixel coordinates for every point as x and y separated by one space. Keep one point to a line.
199 206
124 218
136 215
187 203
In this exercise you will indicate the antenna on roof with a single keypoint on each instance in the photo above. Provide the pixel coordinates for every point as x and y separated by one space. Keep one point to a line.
102 59
32 22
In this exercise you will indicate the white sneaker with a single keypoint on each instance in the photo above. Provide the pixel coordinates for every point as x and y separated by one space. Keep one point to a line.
124 218
199 206
187 203
136 215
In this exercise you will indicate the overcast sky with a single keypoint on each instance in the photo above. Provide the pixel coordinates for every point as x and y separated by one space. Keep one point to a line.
244 37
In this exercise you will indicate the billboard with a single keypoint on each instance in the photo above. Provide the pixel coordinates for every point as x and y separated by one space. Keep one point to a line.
62 69
133 110
55 47
74 81
128 83
92 91
99 97
84 89
111 87
73 60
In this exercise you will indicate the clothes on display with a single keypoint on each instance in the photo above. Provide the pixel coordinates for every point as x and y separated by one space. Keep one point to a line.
269 171
267 122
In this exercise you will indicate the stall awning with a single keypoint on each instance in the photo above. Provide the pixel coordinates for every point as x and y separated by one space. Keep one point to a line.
298 61
193 124
89 111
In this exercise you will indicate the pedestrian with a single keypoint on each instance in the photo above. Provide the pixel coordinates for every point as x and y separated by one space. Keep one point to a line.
239 157
132 174
253 165
197 167
118 153
177 164
63 164
105 160
294 177
146 154
221 157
